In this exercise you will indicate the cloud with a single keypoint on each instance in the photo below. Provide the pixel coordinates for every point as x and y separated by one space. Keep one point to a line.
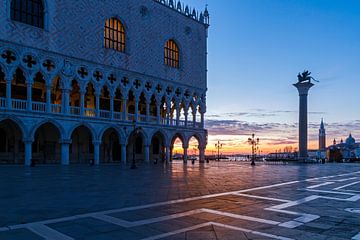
257 113
236 132
237 127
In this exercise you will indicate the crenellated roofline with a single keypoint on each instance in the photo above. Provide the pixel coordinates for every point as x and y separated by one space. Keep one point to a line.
201 17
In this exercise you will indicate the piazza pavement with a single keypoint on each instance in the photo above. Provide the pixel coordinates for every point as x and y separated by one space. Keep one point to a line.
226 200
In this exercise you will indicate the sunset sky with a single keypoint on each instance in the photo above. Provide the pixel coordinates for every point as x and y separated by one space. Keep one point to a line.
257 47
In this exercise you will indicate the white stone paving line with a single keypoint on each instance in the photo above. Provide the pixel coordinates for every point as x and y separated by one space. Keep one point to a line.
128 224
261 197
164 235
347 185
47 233
356 237
320 185
46 230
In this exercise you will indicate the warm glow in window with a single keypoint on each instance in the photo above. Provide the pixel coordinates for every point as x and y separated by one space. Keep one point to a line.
171 54
28 11
114 35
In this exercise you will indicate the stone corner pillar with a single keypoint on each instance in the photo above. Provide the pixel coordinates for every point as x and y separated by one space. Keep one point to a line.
123 153
147 153
65 157
303 89
28 151
97 152
185 154
202 154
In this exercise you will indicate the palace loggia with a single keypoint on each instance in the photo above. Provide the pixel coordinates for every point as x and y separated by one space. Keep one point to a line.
99 80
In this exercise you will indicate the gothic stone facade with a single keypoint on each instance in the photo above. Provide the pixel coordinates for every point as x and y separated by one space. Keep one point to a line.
66 98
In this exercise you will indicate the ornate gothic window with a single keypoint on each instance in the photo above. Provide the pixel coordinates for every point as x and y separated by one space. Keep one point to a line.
28 11
171 54
114 35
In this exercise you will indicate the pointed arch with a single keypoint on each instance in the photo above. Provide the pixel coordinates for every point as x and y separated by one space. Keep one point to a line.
19 85
53 122
47 136
39 88
110 148
84 124
158 142
12 133
82 137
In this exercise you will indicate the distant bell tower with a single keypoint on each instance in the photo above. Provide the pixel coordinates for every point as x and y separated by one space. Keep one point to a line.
322 136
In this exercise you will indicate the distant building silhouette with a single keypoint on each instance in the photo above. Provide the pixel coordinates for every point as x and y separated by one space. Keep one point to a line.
322 136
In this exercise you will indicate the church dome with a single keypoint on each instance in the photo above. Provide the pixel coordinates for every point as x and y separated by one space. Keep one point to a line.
350 140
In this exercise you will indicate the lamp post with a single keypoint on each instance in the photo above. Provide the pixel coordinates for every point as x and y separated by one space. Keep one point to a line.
254 142
218 146
135 133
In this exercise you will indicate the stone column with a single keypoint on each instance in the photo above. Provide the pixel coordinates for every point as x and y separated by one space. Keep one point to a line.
97 106
8 93
124 100
123 153
186 113
147 153
29 95
303 89
167 152
185 154
48 98
28 151
202 120
82 103
97 152
171 153
158 120
168 112
177 115
66 100
148 110
136 114
202 154
194 117
112 106
65 158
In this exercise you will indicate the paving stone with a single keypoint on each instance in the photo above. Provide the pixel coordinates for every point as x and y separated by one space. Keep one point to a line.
56 192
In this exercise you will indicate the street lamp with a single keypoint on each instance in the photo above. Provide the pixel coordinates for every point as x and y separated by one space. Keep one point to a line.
136 131
254 142
218 146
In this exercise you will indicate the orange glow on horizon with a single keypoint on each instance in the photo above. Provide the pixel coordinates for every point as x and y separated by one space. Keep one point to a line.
239 145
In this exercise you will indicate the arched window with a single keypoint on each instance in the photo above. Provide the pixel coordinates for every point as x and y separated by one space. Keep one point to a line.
114 35
171 54
28 11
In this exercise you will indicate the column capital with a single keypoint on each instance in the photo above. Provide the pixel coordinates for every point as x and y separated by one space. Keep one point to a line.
303 88
185 146
96 142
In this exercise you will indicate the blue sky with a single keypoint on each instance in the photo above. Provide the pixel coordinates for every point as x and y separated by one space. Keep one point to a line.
257 47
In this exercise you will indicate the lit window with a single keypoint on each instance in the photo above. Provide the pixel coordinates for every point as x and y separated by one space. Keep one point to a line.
171 54
28 11
114 35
